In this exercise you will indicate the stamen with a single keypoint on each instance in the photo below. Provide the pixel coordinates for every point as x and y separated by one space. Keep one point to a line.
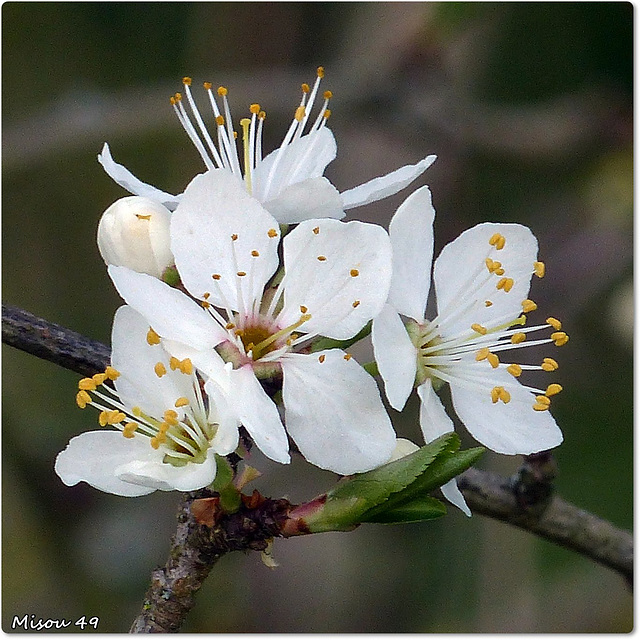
488 303
316 230
497 240
174 363
347 356
87 384
355 303
186 366
152 337
181 402
245 122
505 283
160 369
111 373
559 338
354 273
322 258
478 328
483 354
553 389
83 399
493 360
549 364
556 324
517 338
515 370
272 233
528 306
321 358
539 269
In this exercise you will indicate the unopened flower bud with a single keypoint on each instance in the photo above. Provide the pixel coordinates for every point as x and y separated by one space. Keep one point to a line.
134 233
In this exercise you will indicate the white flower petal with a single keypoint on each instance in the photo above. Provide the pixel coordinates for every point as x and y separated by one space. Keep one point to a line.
512 428
339 271
170 312
385 186
167 477
122 176
305 158
460 268
259 414
215 208
395 355
311 198
403 448
220 412
451 492
93 457
411 233
334 413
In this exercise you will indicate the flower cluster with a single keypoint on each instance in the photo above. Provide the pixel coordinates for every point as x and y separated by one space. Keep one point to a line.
243 292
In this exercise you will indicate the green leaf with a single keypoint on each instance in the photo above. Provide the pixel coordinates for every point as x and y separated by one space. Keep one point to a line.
229 495
417 510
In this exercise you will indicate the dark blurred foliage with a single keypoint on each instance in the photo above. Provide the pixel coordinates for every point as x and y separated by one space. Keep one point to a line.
529 108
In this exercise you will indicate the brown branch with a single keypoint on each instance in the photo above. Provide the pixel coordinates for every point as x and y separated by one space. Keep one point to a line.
525 501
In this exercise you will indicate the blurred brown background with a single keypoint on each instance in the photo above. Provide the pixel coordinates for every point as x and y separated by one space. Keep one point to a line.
529 109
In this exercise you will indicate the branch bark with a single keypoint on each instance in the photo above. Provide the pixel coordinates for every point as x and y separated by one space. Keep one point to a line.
525 501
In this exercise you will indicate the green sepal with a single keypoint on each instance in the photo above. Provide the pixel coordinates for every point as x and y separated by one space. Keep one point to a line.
171 276
229 495
417 510
329 343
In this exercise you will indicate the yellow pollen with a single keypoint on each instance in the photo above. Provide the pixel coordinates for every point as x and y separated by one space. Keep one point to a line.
234 236
354 273
207 85
539 269
255 108
482 354
559 338
553 389
255 253
186 80
321 358
303 309
488 303
493 360
141 217
241 274
355 303
505 283
478 328
322 258
347 356
99 378
87 384
186 366
327 95
152 337
216 276
529 305
515 370
174 363
160 369
517 338
82 398
299 115
320 72
220 121
543 400
549 364
222 91
272 233
305 87
556 324
181 402
497 240
316 230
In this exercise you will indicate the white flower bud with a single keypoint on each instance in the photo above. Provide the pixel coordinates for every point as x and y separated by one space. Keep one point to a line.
134 233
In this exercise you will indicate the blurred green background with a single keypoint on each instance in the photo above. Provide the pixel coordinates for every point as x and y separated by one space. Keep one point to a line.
529 109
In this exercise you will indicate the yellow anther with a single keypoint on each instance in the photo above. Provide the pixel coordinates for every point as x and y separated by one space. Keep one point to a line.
482 354
116 417
129 429
505 396
354 273
505 283
128 434
262 115
160 369
499 271
155 443
553 389
555 323
174 363
206 295
327 95
235 135
255 253
497 240
234 236
559 338
543 400
222 91
207 85
515 370
300 112
539 269
87 384
162 429
488 303
478 328
549 364
493 360
355 303
303 309
540 407
320 72
141 217
305 87
181 402
178 97
272 233
327 114
186 80
152 337
241 274
517 338
495 394
99 378
82 398
171 417
205 304
347 356
239 332
322 258
229 326
316 230
321 358
216 276
529 305
255 108
186 366
172 100
493 265
220 121
103 418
